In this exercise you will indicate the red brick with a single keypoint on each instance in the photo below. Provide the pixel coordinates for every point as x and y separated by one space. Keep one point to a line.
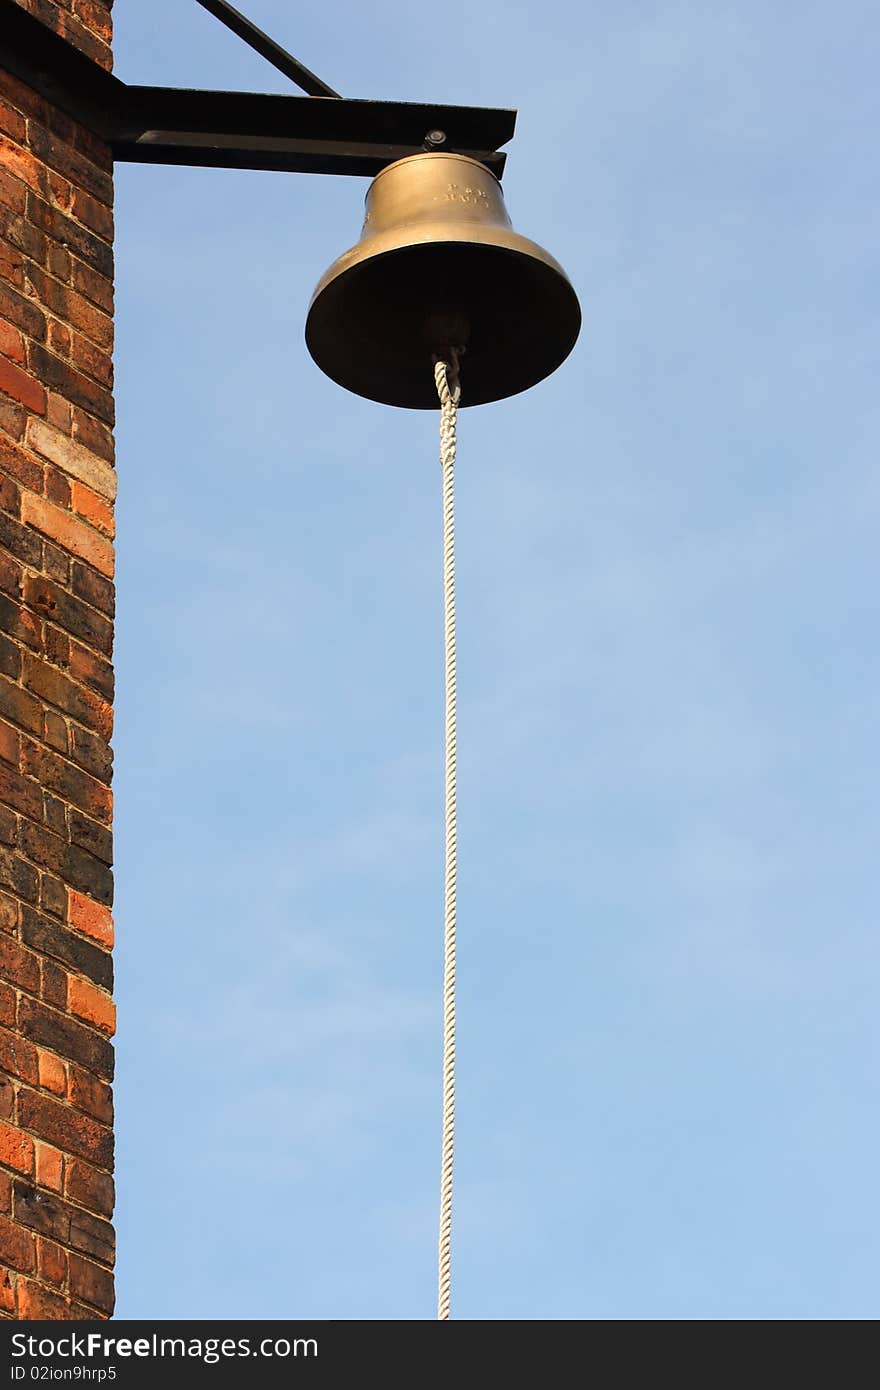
92 1283
20 239
19 162
53 893
18 966
21 464
94 434
90 1004
91 360
21 387
8 827
55 725
92 284
76 240
7 1291
11 343
89 1187
12 122
98 217
58 337
10 745
16 621
59 413
96 17
58 262
12 418
72 457
89 835
52 1072
17 1247
52 685
53 985
21 793
51 1262
11 267
13 193
90 1094
11 571
93 508
91 669
70 306
91 753
65 160
16 1149
66 1128
56 488
50 1215
62 376
19 706
17 1056
39 1305
68 781
54 602
49 1166
68 531
7 1101
16 874
24 313
69 1038
55 818
94 588
10 497
75 952
91 918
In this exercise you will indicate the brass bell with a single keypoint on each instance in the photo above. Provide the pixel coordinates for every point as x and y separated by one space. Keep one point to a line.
438 266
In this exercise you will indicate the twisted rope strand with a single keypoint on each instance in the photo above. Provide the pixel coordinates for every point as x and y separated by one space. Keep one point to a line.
449 397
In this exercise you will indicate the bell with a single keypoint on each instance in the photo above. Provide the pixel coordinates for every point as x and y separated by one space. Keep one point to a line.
439 267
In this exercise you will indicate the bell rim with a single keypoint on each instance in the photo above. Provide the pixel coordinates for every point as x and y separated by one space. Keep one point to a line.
331 364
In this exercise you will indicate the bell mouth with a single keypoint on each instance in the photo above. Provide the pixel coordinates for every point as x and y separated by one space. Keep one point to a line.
369 324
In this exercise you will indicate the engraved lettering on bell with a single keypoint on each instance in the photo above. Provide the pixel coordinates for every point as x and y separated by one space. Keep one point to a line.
476 197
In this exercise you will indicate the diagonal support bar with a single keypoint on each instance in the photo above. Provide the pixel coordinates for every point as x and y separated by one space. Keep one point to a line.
268 48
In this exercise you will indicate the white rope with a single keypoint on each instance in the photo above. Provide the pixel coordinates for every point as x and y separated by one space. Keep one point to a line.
446 378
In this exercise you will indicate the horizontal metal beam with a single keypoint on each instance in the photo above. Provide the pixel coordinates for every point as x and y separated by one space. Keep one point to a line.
239 130
297 134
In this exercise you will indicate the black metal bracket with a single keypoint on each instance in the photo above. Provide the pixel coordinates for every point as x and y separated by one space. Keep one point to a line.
240 130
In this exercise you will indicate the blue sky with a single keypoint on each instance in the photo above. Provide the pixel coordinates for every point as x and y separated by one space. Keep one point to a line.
668 686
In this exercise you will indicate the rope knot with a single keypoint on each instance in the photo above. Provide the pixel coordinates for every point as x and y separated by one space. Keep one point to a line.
446 376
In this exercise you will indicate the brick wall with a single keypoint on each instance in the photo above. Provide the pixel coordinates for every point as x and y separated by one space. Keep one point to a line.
57 486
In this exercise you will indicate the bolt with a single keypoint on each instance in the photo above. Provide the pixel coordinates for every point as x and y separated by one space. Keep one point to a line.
435 137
